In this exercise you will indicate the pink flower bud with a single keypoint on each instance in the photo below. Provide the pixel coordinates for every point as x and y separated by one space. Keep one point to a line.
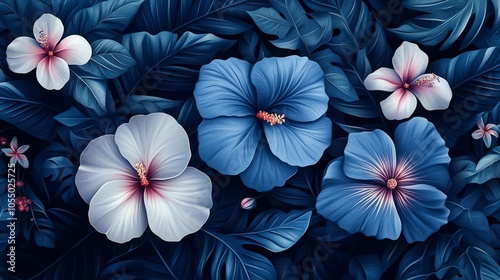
248 203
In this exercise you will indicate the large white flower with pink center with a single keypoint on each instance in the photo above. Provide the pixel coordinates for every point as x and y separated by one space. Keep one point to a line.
139 176
45 53
408 80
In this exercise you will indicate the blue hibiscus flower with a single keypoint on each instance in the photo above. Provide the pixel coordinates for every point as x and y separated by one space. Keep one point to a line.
262 121
382 188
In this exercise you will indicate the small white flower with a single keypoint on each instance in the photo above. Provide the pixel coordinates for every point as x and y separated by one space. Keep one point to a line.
47 53
16 153
485 132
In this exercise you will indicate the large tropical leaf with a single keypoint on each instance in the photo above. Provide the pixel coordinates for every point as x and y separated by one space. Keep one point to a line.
274 230
474 78
167 62
355 29
26 106
444 21
103 20
295 31
225 17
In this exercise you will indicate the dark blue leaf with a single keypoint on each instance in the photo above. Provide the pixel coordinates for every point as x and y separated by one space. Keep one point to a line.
104 20
88 90
165 61
90 252
251 47
366 267
443 22
270 21
144 104
225 17
61 172
109 60
176 258
25 106
227 253
300 32
457 256
487 168
72 117
336 83
474 78
353 23
19 15
273 230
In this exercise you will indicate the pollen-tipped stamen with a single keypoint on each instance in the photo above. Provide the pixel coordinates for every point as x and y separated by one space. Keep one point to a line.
271 119
392 184
142 173
427 80
43 40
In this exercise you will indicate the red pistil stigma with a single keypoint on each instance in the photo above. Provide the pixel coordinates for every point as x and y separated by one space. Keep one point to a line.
271 119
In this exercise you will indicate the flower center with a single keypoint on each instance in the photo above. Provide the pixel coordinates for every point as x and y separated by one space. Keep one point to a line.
51 53
141 172
427 80
392 184
271 119
43 40
406 86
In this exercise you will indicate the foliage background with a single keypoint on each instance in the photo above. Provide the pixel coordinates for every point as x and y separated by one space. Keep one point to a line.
146 57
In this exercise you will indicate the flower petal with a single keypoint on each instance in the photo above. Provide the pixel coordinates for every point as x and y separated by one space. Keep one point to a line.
357 206
23 148
487 140
179 206
299 143
51 26
101 162
369 156
224 89
489 126
8 152
228 144
478 134
422 153
52 73
292 85
399 105
266 171
23 161
434 97
24 54
74 49
384 79
13 144
480 123
157 141
421 209
409 61
117 210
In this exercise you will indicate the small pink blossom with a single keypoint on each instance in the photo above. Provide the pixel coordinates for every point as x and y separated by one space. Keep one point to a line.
485 132
248 203
16 153
408 80
48 53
